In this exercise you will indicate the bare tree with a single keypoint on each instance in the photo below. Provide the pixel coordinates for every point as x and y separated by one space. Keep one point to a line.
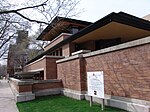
9 24
14 16
37 44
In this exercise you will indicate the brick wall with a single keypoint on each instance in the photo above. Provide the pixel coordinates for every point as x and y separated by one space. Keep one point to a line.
126 72
66 50
20 86
25 88
34 86
14 83
50 69
57 40
44 86
46 64
35 66
70 73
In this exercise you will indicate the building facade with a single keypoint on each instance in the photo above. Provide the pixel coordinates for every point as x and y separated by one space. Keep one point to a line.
17 56
118 45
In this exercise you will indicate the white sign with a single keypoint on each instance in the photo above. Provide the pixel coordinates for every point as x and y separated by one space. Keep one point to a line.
95 82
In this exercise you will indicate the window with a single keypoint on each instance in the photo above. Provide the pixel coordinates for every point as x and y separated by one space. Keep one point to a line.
57 53
53 53
60 51
104 43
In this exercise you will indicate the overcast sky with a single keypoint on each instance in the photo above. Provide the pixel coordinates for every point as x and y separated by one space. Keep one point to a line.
96 9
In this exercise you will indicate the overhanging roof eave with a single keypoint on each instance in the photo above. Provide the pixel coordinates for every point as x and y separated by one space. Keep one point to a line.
26 73
120 17
56 19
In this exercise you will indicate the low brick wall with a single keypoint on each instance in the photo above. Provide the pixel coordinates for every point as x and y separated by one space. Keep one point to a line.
47 87
27 90
46 84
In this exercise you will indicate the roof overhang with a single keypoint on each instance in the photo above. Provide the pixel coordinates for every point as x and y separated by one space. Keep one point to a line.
59 25
114 30
114 25
26 74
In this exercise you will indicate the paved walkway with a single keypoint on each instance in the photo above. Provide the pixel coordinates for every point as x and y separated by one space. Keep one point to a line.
7 101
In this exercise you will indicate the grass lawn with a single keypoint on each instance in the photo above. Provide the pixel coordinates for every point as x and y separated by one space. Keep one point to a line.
61 104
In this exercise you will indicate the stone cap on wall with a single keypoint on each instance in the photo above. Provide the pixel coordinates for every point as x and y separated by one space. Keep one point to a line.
46 56
47 81
81 52
126 45
70 58
20 82
30 82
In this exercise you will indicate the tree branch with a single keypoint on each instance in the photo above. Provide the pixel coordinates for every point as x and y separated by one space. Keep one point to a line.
31 20
6 41
24 8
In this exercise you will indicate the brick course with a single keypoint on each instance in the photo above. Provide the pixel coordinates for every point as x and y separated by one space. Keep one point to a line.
66 50
50 71
24 88
70 72
35 66
126 72
44 86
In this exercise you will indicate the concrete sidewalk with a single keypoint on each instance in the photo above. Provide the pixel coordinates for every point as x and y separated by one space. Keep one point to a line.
7 100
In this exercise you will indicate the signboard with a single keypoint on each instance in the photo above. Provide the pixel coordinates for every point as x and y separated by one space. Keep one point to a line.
95 82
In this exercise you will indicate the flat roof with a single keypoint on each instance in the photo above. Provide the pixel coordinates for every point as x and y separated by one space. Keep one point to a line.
121 18
57 26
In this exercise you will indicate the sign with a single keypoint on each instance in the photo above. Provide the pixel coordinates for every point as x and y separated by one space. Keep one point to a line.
95 82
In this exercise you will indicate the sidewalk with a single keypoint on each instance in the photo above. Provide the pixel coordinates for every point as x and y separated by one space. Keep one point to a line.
7 101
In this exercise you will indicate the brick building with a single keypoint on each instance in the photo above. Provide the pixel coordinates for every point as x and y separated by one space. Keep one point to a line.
16 54
117 44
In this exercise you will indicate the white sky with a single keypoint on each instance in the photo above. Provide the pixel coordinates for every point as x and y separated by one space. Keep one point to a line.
96 9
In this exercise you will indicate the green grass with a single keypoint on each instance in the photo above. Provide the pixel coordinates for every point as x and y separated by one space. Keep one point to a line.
61 104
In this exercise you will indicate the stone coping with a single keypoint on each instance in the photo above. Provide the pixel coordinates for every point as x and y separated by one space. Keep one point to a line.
81 52
30 82
128 104
54 57
20 82
126 99
24 73
47 81
126 45
133 100
62 34
74 91
46 56
69 58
